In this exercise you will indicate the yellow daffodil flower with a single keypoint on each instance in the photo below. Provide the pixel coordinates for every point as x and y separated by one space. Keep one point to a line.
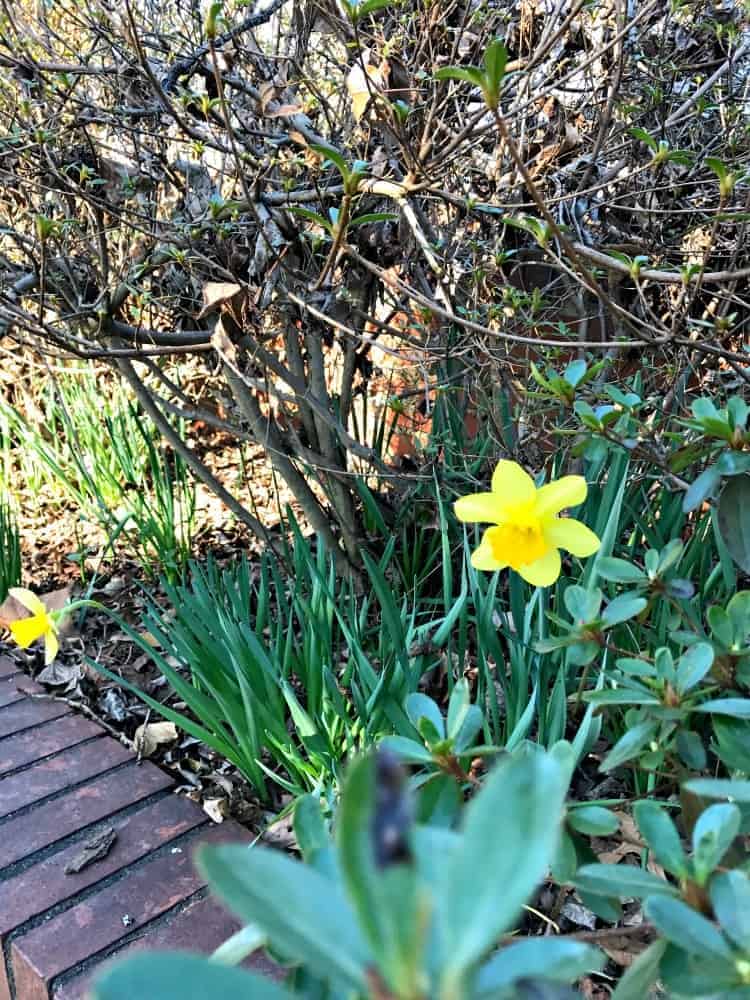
525 531
42 624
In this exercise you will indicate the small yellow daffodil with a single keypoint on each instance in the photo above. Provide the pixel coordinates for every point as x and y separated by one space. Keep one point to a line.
41 624
525 531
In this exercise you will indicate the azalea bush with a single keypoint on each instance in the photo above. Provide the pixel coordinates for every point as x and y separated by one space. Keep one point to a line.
389 906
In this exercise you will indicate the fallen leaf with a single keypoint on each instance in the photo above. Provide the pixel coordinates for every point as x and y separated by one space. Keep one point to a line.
147 638
578 915
217 294
58 674
95 848
217 809
222 344
113 705
280 833
150 736
224 783
284 111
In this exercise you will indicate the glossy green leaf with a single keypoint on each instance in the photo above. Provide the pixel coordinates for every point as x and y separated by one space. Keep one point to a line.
686 928
732 741
691 749
623 881
309 826
734 523
495 59
181 976
419 706
470 727
594 821
730 898
635 984
469 74
693 666
458 706
386 899
661 836
407 750
720 788
556 959
370 7
629 745
621 696
713 833
622 608
369 217
582 605
510 832
575 372
620 571
736 708
701 488
694 974
334 156
304 913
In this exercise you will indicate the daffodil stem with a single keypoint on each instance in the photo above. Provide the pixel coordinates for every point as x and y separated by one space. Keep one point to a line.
70 608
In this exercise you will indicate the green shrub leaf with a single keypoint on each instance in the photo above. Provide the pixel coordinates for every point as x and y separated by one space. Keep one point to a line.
734 523
622 880
509 836
684 927
304 913
180 976
730 897
558 960
661 836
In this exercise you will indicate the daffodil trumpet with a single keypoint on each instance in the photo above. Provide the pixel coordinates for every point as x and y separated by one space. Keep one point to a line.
526 532
41 623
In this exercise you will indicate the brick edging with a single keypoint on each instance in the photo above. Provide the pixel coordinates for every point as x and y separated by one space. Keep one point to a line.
62 780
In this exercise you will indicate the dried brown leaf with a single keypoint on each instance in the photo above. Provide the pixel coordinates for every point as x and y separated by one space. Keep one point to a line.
150 736
217 809
217 294
222 344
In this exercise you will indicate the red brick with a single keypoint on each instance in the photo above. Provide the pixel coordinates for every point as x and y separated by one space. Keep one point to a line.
7 667
94 801
96 924
28 713
34 744
202 926
13 689
39 888
68 768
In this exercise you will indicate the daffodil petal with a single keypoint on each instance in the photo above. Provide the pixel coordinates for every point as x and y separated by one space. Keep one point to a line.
51 646
573 536
483 558
28 599
511 484
479 507
544 571
570 491
28 630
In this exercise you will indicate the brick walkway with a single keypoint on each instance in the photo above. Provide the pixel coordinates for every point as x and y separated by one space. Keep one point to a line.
62 780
